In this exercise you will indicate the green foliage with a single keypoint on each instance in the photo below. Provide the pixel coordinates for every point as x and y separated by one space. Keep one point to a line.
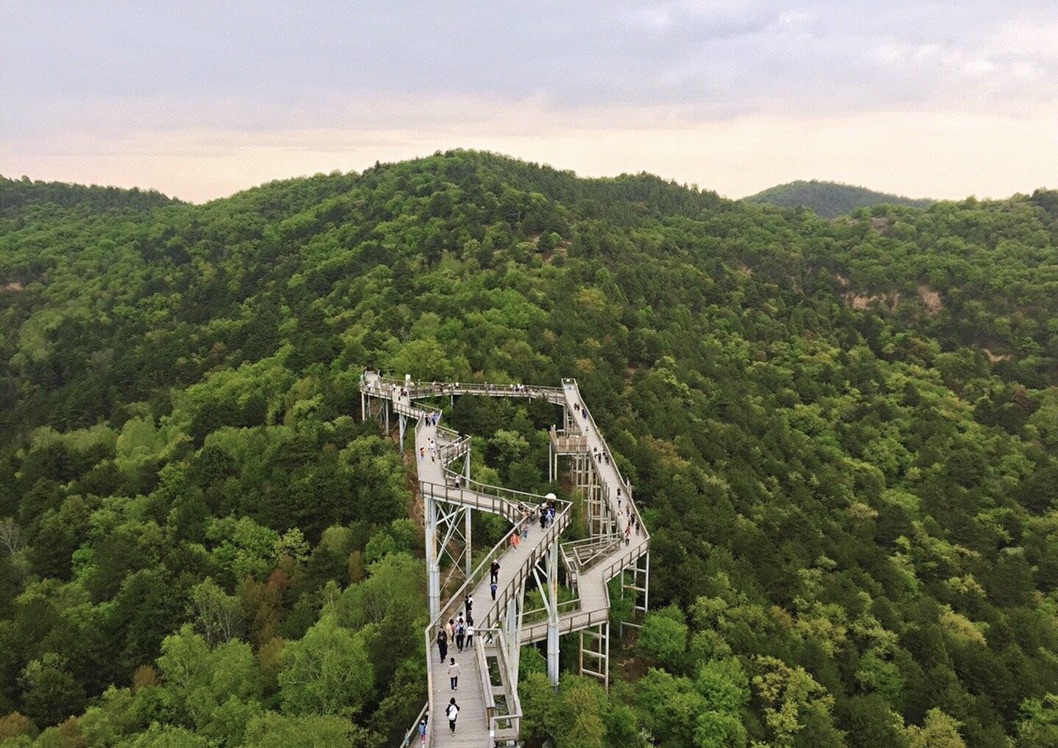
50 692
218 615
272 730
327 672
211 690
843 435
664 637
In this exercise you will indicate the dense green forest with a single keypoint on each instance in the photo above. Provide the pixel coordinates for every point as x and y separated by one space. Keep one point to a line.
829 199
843 435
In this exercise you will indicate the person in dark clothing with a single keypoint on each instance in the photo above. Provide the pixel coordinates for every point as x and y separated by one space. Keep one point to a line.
461 633
442 643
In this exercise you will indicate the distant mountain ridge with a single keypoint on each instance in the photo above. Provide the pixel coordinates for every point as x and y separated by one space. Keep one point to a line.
829 199
18 194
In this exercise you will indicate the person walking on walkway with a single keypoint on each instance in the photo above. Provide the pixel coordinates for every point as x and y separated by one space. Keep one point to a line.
422 730
442 643
452 712
470 634
494 571
515 540
461 633
453 673
492 588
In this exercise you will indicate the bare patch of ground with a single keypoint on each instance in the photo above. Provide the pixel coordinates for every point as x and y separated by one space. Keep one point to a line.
861 301
931 299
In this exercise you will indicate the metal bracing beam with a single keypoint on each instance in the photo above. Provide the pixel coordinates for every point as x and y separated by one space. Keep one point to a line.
548 585
468 560
645 558
512 635
594 652
639 588
433 559
447 537
552 614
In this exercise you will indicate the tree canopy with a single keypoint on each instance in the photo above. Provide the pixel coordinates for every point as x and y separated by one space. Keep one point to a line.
843 435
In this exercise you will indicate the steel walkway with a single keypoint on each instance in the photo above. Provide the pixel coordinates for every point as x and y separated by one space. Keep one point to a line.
618 544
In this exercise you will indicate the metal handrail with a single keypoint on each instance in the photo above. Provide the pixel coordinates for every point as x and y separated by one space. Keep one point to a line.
411 734
562 520
604 545
568 623
626 488
485 500
538 614
511 495
626 560
497 639
434 389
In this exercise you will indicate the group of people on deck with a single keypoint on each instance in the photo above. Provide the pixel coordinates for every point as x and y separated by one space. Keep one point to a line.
461 631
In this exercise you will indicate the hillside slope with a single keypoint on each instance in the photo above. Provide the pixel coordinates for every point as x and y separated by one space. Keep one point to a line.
843 434
829 199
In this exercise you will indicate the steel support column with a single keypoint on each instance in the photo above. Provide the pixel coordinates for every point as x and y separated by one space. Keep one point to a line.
512 636
433 556
468 561
552 614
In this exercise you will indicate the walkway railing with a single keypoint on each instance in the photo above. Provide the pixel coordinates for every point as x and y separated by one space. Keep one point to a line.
576 620
419 390
581 555
536 552
505 724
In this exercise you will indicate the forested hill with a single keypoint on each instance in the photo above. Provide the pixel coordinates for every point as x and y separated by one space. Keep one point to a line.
829 199
843 434
17 196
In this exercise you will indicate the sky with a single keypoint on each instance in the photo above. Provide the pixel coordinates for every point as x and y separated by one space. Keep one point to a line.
202 99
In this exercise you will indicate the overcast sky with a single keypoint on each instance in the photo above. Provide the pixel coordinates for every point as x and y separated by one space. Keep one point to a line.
202 99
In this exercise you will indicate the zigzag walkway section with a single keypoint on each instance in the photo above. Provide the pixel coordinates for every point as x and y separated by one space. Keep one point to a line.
617 546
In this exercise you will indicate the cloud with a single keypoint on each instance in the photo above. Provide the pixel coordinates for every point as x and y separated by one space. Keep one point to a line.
695 59
94 77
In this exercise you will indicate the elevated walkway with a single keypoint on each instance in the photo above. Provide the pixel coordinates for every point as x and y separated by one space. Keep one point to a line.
490 711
